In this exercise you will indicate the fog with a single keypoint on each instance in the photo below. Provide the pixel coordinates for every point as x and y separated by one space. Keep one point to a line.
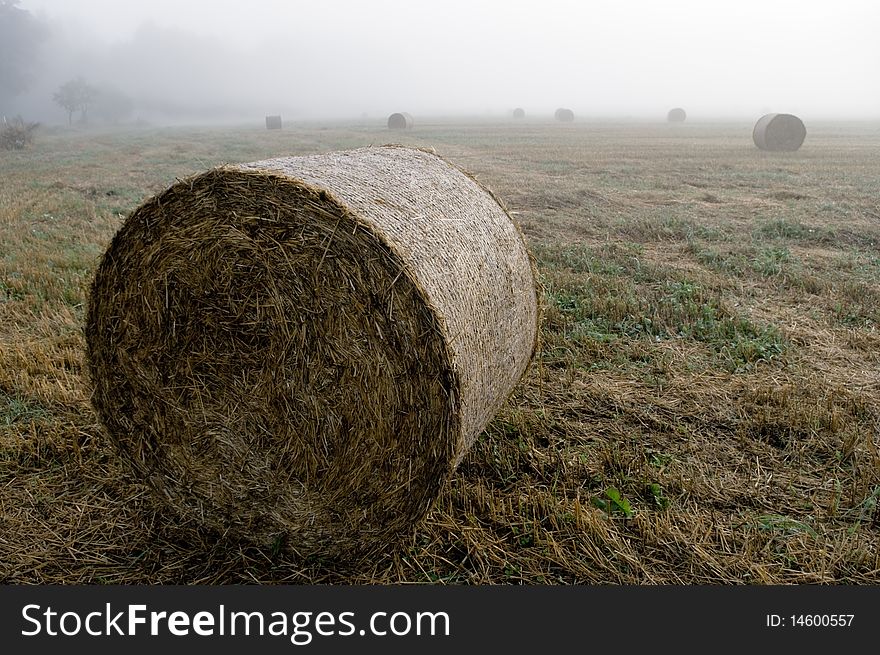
219 61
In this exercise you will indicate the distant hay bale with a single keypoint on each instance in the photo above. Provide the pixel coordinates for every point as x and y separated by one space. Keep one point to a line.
676 115
300 351
273 122
519 112
400 121
779 132
564 115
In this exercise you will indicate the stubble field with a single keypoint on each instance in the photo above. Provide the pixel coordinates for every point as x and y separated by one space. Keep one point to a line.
704 409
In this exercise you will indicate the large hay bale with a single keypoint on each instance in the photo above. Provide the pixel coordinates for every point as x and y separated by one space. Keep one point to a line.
273 122
564 115
400 121
779 132
301 350
519 112
676 115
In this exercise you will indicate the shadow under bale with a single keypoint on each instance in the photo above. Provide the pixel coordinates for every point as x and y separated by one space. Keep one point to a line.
300 351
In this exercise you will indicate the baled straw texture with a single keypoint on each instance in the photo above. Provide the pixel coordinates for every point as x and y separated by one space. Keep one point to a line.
779 132
273 122
400 121
564 115
301 350
676 115
519 112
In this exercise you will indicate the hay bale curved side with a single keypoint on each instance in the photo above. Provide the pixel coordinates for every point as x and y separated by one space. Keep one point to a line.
564 115
301 350
273 122
519 112
779 132
400 121
676 115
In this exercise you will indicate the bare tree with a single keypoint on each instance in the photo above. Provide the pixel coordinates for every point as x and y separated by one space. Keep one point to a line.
75 95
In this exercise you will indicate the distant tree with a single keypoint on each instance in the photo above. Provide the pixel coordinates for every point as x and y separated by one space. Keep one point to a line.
21 35
111 105
75 95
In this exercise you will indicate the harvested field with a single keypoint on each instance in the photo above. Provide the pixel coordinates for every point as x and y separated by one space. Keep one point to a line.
704 407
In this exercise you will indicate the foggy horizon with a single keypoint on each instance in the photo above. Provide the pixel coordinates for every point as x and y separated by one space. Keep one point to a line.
215 62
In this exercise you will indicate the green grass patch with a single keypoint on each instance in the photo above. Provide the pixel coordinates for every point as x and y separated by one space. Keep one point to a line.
14 409
604 301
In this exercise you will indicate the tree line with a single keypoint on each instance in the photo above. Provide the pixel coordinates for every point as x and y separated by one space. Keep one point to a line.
21 37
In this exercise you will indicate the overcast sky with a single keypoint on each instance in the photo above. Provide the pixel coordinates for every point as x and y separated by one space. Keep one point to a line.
614 58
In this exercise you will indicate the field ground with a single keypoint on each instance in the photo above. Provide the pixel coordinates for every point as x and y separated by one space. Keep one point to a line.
705 408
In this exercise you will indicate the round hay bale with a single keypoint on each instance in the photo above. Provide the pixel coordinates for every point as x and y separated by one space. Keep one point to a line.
273 122
300 351
564 115
400 121
779 132
676 115
519 112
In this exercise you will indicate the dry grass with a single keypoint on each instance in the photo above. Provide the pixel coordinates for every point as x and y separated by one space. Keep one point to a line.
704 408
